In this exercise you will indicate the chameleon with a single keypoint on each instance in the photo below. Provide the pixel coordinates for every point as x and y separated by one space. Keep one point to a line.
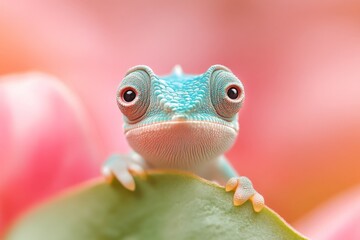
184 122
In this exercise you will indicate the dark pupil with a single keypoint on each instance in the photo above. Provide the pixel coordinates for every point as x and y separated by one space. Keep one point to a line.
129 95
233 93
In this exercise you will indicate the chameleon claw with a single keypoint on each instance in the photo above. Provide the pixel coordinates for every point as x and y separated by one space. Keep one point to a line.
258 202
106 172
245 191
125 178
122 168
231 184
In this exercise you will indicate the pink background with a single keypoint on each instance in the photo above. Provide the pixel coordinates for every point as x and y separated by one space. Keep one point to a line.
299 61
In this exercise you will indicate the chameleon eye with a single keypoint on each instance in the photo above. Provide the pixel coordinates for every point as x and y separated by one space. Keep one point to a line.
129 95
227 93
233 92
133 95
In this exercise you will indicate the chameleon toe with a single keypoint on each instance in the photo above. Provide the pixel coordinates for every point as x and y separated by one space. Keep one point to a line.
258 202
126 179
242 195
231 184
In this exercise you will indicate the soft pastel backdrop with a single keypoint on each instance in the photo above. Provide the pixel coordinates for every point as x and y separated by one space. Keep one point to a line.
299 61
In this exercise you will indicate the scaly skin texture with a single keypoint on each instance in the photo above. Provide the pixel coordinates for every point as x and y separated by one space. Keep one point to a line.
183 122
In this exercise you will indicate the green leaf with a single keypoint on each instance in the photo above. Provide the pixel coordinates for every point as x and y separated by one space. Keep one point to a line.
164 206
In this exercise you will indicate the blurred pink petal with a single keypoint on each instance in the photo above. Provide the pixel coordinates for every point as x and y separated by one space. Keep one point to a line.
47 142
338 219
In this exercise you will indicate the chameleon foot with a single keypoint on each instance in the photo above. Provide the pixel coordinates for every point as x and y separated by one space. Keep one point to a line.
122 167
245 191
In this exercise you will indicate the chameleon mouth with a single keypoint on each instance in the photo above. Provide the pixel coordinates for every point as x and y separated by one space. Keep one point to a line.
181 144
180 123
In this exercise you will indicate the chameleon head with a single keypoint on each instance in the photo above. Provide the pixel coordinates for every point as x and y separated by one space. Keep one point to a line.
180 121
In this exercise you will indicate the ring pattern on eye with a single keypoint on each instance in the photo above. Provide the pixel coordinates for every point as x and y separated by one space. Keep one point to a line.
227 93
132 96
